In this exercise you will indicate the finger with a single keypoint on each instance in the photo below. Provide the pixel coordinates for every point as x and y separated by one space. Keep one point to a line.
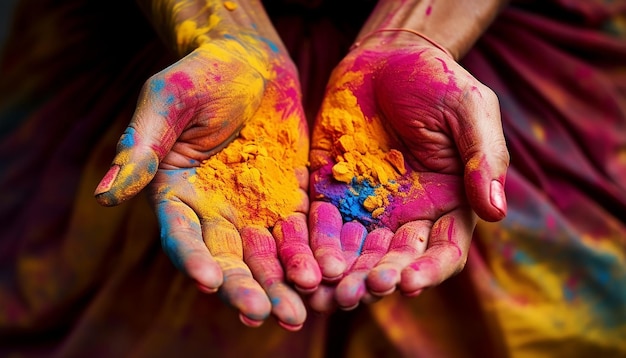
352 288
239 289
302 175
325 225
181 239
260 255
352 237
481 142
292 240
407 244
161 115
446 255
323 299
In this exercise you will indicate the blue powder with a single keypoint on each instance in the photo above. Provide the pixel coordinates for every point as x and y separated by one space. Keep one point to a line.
350 202
128 138
157 85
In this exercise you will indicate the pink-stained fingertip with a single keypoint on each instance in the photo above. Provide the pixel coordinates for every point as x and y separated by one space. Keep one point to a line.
107 181
249 321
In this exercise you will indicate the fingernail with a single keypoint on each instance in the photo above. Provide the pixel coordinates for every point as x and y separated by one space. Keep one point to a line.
107 182
349 308
306 290
383 293
290 327
206 289
414 293
497 196
249 321
329 279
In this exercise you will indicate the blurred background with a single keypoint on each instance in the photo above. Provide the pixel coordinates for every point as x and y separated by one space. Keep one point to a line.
6 9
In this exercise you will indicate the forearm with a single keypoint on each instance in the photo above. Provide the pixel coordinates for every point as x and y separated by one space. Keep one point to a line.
187 24
453 24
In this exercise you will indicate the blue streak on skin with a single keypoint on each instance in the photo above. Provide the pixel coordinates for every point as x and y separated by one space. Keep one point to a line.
362 242
166 219
153 166
157 85
275 301
170 246
269 43
127 140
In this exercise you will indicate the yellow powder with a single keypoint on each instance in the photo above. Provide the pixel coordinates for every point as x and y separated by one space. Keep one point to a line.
190 35
360 147
255 173
230 6
229 50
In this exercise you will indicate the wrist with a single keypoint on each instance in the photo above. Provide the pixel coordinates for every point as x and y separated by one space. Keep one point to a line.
453 25
397 38
186 25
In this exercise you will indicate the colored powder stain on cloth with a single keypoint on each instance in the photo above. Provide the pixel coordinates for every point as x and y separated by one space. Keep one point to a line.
363 158
255 173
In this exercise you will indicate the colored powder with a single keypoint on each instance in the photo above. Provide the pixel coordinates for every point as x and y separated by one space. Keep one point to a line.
255 173
230 6
361 157
190 35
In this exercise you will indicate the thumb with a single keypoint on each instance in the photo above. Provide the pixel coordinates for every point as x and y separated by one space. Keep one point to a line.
153 130
483 149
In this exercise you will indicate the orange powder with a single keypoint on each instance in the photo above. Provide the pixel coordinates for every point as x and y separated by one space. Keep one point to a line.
360 147
230 6
255 174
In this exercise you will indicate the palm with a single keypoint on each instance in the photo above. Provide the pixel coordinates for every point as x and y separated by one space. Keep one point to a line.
221 137
216 218
403 156
389 149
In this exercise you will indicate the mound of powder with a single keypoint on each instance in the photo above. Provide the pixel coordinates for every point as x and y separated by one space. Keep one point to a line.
361 157
255 174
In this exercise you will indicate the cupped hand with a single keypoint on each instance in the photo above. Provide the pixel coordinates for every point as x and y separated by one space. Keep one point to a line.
222 140
408 146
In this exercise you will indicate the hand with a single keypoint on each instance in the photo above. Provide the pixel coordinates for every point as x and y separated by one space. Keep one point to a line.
410 146
226 131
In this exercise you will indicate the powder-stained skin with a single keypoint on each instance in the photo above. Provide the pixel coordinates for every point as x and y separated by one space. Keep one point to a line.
254 184
256 172
358 155
221 137
396 150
